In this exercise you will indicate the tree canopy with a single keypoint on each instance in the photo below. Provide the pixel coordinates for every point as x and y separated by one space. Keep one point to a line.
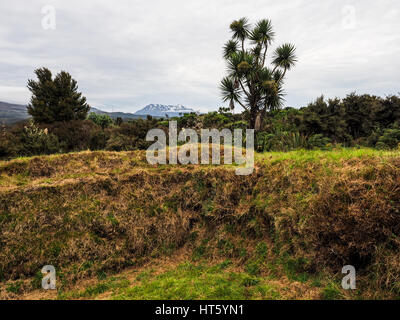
56 99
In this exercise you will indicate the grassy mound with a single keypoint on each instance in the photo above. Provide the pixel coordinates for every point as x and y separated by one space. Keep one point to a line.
302 214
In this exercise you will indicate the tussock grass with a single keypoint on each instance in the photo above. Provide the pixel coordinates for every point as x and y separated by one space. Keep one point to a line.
302 214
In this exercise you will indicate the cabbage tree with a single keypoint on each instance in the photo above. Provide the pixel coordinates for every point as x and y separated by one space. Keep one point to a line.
251 82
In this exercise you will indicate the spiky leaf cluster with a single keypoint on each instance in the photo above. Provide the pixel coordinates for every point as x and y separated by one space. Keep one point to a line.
250 81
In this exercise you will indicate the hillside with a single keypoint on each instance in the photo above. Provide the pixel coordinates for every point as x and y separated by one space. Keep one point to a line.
129 230
11 113
115 115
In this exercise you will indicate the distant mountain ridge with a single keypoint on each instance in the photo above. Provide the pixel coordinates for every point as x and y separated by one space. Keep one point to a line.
115 115
11 113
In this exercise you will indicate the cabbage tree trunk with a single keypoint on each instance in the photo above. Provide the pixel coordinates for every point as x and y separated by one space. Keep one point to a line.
256 120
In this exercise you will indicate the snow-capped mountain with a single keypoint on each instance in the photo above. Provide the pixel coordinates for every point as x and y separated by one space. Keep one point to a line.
161 110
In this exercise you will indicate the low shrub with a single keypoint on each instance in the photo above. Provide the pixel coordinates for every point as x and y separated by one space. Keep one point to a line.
8 144
102 120
76 135
36 141
287 141
389 140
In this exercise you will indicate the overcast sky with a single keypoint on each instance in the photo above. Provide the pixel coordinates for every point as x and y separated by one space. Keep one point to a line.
127 54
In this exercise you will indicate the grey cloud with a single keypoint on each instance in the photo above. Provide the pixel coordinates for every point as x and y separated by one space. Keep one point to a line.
127 54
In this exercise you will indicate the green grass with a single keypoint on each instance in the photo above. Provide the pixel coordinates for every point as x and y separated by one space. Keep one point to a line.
335 155
15 287
189 282
332 291
186 282
93 291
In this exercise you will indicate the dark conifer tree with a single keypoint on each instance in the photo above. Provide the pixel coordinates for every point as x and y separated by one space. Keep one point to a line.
56 99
